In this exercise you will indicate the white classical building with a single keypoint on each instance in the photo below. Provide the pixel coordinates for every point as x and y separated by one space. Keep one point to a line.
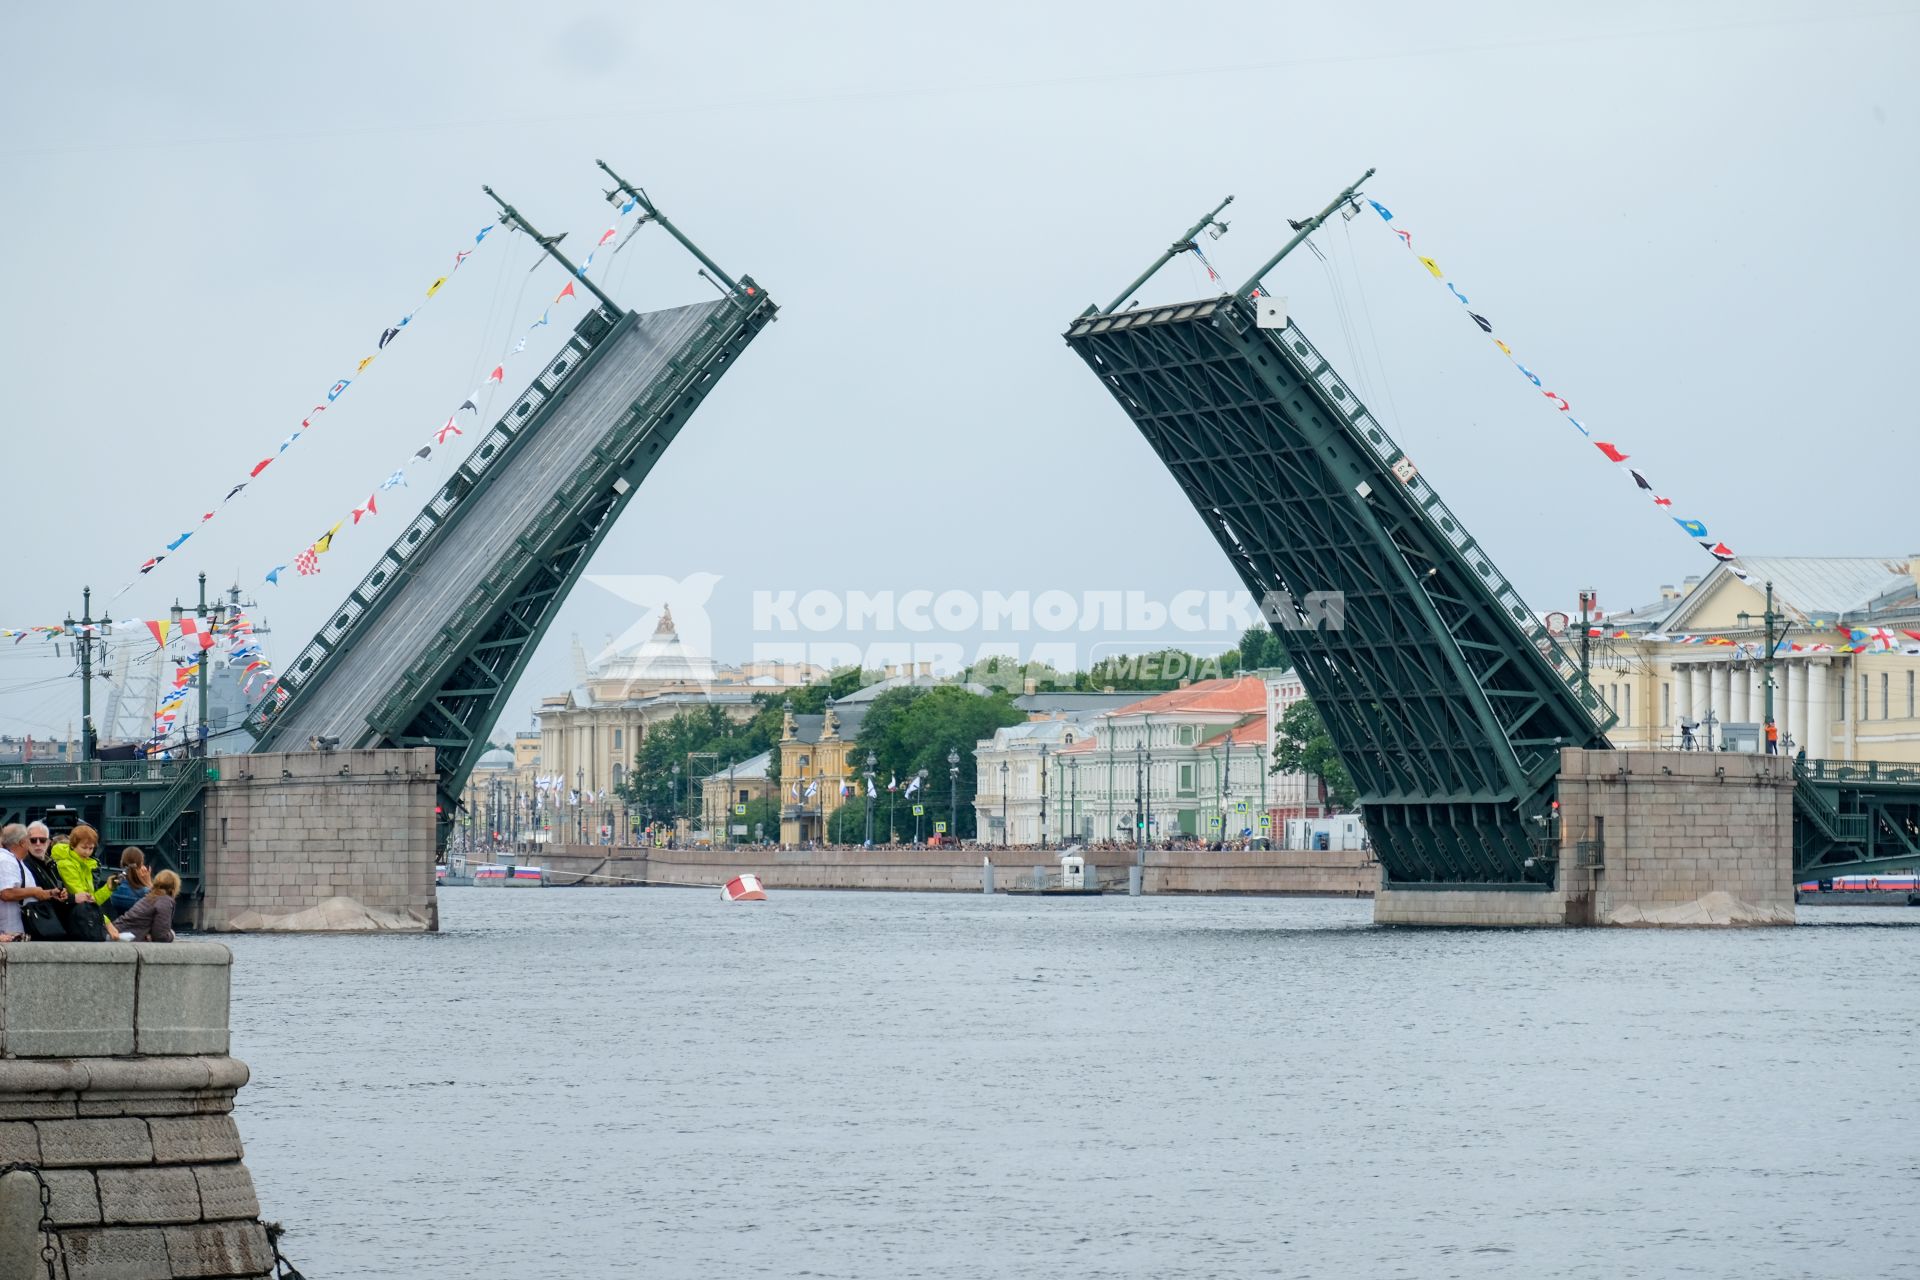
1844 675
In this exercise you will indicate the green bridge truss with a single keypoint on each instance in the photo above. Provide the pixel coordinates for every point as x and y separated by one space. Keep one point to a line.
1446 700
423 650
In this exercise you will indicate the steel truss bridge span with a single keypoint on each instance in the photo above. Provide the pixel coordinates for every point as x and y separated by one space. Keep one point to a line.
424 649
1446 700
1444 697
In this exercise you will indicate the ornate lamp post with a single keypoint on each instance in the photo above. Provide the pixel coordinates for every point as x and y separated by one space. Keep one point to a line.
91 631
1043 795
953 792
1073 791
1769 617
1140 797
202 614
871 761
675 809
922 793
1006 832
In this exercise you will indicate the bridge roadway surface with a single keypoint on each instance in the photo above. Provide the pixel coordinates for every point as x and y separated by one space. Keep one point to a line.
479 533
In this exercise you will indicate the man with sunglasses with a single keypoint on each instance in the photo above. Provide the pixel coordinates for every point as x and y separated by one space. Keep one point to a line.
22 845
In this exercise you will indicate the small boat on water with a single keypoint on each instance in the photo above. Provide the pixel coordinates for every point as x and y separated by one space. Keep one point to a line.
454 872
506 875
1077 878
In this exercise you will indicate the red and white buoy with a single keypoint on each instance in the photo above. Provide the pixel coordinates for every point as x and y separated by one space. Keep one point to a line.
745 888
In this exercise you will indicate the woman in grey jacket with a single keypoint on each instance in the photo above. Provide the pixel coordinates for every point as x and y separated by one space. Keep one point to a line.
151 918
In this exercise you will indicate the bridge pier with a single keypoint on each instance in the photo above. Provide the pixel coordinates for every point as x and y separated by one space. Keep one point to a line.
1647 838
321 841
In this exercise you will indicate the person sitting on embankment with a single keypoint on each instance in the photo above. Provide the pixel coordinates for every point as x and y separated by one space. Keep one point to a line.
133 881
151 919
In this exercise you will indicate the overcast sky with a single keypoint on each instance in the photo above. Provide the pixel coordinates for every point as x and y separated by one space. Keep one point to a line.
1694 220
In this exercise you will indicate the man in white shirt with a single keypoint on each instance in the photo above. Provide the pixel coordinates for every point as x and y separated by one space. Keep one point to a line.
16 882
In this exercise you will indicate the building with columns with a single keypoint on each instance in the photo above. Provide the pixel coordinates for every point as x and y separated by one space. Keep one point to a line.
588 735
1844 676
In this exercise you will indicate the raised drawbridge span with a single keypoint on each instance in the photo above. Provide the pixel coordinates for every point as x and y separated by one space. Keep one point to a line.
425 647
1445 698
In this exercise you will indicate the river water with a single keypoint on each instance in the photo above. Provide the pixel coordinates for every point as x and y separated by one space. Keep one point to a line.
655 1083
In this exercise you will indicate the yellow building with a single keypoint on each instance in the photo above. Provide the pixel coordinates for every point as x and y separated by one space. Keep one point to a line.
1846 676
818 771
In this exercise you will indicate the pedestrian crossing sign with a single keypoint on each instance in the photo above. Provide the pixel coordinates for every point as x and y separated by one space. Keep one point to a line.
739 811
939 828
1266 821
1213 823
919 811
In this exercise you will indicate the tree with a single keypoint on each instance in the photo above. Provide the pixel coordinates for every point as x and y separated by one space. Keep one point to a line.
1303 745
848 823
910 729
1260 647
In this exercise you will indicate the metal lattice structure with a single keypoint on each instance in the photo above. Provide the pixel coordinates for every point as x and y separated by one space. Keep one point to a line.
1855 817
426 646
1444 697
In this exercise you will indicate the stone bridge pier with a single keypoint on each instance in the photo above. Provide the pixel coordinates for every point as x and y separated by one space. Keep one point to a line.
321 841
1646 838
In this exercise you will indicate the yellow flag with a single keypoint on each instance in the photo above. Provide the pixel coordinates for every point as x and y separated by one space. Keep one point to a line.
1503 346
326 539
1428 263
364 364
435 286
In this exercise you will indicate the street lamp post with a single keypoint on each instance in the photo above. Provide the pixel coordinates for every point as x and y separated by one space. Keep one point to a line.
1770 617
1073 791
1043 795
580 805
1140 796
953 792
673 810
91 631
1006 832
201 614
922 793
871 761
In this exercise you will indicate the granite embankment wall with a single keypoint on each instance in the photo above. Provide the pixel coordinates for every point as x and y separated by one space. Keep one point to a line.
336 841
116 1084
1673 838
1331 874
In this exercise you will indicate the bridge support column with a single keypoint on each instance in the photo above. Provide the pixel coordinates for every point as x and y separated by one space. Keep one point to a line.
1648 838
321 842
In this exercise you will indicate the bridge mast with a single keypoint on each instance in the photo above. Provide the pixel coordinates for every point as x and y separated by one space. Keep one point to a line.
1305 229
511 216
654 215
1174 250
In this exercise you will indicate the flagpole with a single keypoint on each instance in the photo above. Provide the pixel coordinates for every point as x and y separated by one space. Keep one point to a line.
1174 250
511 216
1307 228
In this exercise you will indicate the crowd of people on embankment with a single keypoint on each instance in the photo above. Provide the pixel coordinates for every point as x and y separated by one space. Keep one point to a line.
56 893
